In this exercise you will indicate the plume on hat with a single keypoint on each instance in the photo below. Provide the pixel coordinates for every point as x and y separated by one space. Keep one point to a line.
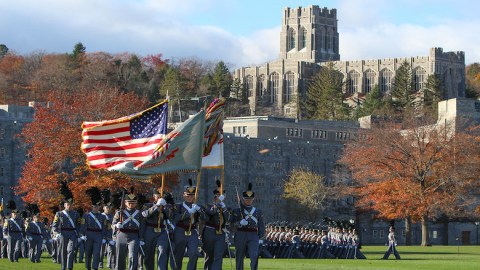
12 205
106 194
94 194
65 191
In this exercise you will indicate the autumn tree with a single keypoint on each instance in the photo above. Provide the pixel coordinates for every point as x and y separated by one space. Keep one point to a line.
54 138
407 170
309 190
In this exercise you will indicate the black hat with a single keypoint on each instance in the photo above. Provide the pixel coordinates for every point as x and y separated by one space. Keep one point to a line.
80 211
66 192
106 194
12 206
142 199
190 189
95 195
54 209
249 193
131 197
34 210
216 191
117 199
168 197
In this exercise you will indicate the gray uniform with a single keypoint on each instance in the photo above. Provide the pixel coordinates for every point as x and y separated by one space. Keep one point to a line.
156 236
94 229
391 247
35 236
247 237
107 247
67 224
128 237
185 236
214 237
13 231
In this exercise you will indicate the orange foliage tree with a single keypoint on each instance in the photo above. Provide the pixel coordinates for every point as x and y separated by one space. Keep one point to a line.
415 171
54 139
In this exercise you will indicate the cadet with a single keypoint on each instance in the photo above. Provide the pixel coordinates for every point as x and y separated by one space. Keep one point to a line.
186 216
250 229
13 231
35 235
213 235
392 243
93 230
128 232
109 247
156 235
65 227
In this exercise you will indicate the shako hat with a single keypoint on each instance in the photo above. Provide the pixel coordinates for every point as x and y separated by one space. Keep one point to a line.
12 206
190 189
66 192
216 191
95 195
131 196
248 194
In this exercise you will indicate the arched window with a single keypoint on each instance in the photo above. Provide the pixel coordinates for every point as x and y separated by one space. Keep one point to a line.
386 80
419 78
328 40
353 78
321 39
260 86
291 39
289 87
368 81
303 38
274 83
249 85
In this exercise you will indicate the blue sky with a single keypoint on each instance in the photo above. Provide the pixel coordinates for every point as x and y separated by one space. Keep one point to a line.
239 32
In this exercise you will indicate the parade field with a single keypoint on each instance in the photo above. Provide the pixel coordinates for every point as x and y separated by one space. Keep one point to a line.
435 258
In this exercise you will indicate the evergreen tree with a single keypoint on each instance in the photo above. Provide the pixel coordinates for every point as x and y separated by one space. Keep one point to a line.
3 50
402 87
324 97
78 55
222 80
433 93
373 102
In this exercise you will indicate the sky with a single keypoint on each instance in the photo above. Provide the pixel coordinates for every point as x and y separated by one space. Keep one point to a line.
238 32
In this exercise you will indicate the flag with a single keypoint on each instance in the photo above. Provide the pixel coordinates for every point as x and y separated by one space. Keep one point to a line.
213 137
129 139
180 150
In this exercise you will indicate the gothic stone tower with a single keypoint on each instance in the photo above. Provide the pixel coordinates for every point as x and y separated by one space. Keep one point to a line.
309 34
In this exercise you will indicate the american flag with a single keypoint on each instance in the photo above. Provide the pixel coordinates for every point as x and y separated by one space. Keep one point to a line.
130 139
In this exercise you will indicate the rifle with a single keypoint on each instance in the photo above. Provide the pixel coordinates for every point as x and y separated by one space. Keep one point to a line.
238 200
121 205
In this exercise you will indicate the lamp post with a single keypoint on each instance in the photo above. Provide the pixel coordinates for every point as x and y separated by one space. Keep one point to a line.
476 226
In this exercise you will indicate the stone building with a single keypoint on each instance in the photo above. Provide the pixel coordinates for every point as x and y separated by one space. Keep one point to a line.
309 39
12 151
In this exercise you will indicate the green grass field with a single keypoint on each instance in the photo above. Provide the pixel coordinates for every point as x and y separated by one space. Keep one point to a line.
435 258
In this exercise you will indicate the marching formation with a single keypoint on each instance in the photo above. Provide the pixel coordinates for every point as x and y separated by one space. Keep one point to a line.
140 234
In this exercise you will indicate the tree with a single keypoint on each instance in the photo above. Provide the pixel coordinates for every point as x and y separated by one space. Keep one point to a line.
402 87
373 102
309 190
222 80
409 170
324 98
433 93
54 138
3 50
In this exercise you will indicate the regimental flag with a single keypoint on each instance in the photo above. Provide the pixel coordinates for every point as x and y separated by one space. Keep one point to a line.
130 139
213 138
181 150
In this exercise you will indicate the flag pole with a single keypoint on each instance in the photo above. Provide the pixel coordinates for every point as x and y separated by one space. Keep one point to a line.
220 215
161 206
192 217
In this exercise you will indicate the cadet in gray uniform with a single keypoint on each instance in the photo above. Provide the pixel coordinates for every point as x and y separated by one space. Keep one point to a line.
186 217
213 236
156 235
93 230
392 243
35 234
65 227
128 232
109 247
250 229
13 231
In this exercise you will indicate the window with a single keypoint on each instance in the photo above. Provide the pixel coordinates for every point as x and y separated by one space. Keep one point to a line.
319 134
249 86
274 84
2 152
2 171
352 82
385 80
260 86
240 130
289 87
2 133
291 39
368 81
375 234
435 234
235 148
294 132
320 39
303 38
381 234
419 78
300 152
342 136
236 164
259 164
